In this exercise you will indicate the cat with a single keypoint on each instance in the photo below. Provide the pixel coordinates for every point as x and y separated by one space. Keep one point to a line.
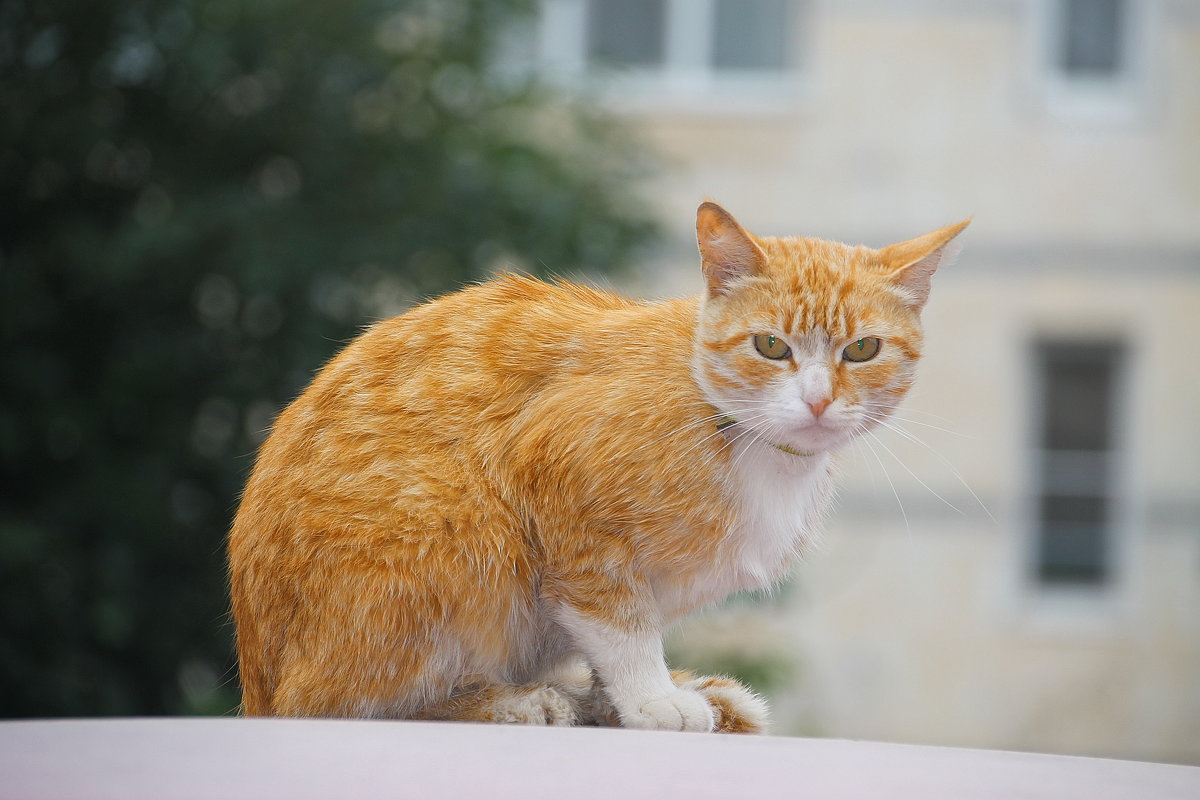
490 507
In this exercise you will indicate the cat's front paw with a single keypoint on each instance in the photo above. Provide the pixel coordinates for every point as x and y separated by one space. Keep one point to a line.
681 710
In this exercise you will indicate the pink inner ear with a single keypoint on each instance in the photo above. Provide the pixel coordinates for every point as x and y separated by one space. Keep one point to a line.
917 277
727 251
729 258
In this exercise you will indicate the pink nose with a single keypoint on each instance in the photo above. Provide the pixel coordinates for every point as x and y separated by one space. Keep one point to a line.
818 408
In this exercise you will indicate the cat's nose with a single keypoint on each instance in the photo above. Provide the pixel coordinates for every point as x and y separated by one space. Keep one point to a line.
818 408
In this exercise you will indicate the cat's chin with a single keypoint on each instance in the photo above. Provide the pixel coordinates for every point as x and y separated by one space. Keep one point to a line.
817 438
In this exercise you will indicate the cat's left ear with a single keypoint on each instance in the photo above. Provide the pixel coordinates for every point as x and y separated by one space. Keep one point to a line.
727 250
911 264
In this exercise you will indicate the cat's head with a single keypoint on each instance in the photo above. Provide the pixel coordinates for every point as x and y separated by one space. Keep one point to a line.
804 343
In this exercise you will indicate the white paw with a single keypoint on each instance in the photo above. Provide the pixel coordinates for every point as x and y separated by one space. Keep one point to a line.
541 706
681 710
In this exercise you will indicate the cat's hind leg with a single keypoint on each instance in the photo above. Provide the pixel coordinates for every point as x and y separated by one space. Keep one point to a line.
530 704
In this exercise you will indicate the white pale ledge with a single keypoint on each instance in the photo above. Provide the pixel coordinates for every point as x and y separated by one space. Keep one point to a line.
164 759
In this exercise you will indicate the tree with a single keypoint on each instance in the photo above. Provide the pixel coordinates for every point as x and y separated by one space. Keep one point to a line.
202 199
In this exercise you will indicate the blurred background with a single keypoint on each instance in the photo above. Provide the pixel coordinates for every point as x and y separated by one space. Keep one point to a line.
202 200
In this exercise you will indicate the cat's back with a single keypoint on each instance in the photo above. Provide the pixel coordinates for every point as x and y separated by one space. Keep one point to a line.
512 327
411 393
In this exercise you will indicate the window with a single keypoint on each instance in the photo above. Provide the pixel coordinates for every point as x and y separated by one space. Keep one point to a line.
750 35
1091 37
1076 442
675 47
626 32
1094 60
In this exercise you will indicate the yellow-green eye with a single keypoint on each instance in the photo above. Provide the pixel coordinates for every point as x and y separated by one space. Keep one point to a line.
771 346
862 350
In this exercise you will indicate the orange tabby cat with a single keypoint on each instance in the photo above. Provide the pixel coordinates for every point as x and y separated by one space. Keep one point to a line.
489 507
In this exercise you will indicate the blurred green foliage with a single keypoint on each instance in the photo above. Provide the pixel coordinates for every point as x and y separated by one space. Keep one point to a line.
767 674
735 639
201 200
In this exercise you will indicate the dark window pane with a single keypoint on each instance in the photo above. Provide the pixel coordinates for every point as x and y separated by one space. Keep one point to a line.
1078 382
628 32
1091 34
1073 540
1073 553
751 34
1085 511
1079 394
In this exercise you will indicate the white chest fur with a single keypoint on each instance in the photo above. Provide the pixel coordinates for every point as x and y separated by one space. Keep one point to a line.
780 498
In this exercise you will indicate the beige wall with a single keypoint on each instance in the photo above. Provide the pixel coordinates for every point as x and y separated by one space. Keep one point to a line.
902 122
905 117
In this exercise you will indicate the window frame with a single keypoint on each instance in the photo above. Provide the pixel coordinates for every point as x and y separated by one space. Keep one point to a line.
686 79
1062 606
1103 463
1124 97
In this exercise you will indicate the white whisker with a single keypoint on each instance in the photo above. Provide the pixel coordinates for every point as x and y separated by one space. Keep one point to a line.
915 476
888 477
945 461
911 410
716 432
895 416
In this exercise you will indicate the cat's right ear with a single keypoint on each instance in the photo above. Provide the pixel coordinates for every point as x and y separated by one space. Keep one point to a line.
727 250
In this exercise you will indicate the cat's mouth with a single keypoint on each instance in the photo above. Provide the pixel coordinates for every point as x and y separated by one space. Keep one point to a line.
817 435
810 439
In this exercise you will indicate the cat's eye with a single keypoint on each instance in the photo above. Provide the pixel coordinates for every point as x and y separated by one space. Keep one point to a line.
771 346
862 350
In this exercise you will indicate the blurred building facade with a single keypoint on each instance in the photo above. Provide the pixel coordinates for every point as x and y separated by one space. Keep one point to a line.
1019 565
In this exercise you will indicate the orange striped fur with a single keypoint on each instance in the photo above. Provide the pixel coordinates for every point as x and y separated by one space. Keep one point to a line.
483 499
